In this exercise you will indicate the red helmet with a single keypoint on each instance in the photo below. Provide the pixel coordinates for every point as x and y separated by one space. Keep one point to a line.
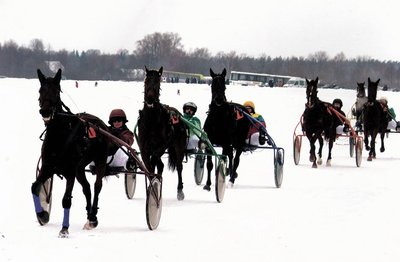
117 113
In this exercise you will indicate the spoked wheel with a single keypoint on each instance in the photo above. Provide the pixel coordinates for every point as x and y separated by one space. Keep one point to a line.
296 149
359 148
199 168
220 175
278 167
130 184
352 144
153 203
45 195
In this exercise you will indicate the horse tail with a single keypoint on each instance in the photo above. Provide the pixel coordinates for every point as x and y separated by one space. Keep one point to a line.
172 159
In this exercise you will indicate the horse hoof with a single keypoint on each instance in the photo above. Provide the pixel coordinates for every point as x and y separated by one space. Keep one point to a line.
229 184
328 163
43 217
90 225
314 165
382 150
319 162
180 195
63 233
312 158
207 187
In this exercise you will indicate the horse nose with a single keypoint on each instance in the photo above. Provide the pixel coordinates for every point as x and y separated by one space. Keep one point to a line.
45 113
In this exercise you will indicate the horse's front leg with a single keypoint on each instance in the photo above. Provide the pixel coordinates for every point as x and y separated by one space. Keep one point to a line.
382 149
313 158
66 203
328 161
366 142
179 168
210 166
41 214
321 145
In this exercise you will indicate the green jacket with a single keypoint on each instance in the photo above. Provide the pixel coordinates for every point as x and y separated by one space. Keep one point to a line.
196 122
392 114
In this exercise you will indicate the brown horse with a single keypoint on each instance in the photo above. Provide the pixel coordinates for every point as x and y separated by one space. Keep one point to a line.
317 123
374 120
225 127
160 129
67 149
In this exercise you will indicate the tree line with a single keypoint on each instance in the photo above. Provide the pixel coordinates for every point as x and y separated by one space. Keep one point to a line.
167 50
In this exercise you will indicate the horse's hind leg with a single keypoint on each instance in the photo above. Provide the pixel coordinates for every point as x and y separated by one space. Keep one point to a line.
81 177
210 166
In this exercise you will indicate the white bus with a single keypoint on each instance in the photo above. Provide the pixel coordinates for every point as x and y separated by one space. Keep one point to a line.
257 79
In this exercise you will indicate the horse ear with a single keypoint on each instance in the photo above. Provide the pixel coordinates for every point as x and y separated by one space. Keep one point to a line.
307 81
369 80
41 76
224 72
160 71
147 70
212 74
377 81
58 75
316 80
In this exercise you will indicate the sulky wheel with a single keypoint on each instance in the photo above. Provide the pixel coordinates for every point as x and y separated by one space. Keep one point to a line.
199 168
153 203
220 175
359 148
351 144
278 167
45 195
296 149
130 183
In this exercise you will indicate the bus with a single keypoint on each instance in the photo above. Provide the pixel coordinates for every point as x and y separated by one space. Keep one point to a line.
257 79
181 77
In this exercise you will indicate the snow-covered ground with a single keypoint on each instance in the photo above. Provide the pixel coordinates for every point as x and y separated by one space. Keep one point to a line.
338 213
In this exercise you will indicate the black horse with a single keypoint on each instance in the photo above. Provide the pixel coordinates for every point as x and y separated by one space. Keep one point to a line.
160 129
69 145
318 123
375 120
225 126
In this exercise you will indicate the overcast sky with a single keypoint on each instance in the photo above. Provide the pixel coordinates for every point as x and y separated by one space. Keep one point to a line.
253 27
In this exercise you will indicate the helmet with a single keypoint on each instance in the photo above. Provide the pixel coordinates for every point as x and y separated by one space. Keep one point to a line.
191 105
383 100
249 104
338 101
117 113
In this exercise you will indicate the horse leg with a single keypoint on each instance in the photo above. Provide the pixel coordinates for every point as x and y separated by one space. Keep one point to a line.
228 151
321 145
41 214
328 161
66 204
382 149
236 161
81 178
366 142
372 153
210 166
313 158
179 168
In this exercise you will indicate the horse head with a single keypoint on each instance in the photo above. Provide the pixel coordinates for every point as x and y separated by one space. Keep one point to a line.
372 89
361 90
311 92
49 95
218 87
152 86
